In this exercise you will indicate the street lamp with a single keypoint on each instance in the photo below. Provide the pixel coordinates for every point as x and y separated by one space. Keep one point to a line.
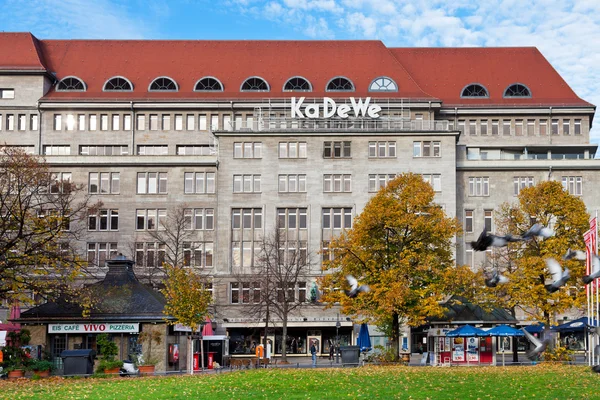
337 339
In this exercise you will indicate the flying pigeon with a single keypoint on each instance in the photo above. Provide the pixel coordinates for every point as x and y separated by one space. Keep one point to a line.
559 277
537 230
595 270
484 241
596 368
576 254
354 288
495 279
593 329
540 346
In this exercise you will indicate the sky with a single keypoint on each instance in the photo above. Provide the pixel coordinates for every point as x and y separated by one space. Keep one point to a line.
567 32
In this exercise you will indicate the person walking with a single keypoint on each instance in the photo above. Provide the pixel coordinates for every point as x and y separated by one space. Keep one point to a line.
331 349
313 352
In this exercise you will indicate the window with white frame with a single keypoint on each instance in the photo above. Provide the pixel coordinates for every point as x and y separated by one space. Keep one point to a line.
472 128
519 127
530 127
292 150
127 122
292 218
150 219
149 254
198 254
57 122
382 149
178 122
22 122
51 150
190 122
10 122
506 127
521 182
495 127
116 122
337 149
247 150
196 150
166 122
379 181
479 186
468 221
141 122
81 122
483 127
555 126
7 93
573 184
103 150
199 218
104 183
246 183
577 127
104 122
566 130
33 122
543 127
435 180
487 220
337 183
93 122
246 247
154 150
337 218
59 180
152 183
199 182
98 253
427 149
202 125
153 122
469 258
292 183
104 220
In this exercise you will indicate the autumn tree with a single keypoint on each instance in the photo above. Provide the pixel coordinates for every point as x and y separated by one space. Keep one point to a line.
401 245
42 217
524 263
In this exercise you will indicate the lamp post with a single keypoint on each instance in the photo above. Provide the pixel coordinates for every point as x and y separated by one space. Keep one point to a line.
337 339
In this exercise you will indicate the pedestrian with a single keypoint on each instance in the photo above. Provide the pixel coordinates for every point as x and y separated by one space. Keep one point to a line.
313 352
331 349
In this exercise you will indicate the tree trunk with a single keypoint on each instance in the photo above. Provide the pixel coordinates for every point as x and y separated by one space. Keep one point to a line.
396 336
284 339
515 353
266 333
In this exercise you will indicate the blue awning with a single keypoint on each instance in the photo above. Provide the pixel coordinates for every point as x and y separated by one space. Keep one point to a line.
535 328
504 330
577 325
467 331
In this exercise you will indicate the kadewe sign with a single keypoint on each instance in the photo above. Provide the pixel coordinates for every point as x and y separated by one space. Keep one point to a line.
329 108
106 327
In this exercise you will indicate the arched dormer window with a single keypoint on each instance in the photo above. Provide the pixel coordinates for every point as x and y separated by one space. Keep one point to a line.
255 84
383 84
71 84
339 84
118 84
474 90
208 84
163 84
517 90
297 84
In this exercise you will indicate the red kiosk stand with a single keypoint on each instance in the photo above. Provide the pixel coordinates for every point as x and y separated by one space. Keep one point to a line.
460 350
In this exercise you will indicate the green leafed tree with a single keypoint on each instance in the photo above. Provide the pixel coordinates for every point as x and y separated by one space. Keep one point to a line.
402 246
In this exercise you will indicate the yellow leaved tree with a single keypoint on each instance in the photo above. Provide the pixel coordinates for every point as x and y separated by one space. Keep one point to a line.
402 246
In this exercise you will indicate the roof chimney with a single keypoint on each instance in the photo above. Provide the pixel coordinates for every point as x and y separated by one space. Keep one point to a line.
120 271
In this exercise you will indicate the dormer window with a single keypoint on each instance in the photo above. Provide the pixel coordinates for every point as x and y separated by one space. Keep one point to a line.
383 84
255 84
297 84
208 84
118 84
71 84
163 84
517 90
474 90
340 84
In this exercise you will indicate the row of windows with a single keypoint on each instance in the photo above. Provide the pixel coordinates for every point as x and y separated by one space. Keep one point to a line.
19 122
477 90
250 293
152 219
142 150
195 254
480 185
212 84
290 218
520 127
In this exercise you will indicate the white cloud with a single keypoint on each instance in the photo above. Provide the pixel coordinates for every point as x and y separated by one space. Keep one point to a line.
317 28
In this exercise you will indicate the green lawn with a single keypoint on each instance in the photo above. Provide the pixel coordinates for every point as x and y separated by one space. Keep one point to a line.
541 381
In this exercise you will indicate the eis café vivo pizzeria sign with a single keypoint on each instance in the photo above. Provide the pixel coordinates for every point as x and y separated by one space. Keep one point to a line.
329 108
94 328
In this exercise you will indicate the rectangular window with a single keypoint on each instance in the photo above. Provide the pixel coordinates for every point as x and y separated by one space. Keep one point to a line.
530 127
166 122
141 122
479 186
98 253
127 122
116 122
149 255
199 182
57 122
10 122
573 184
152 183
70 125
337 150
483 128
566 126
57 150
468 221
337 218
150 219
292 183
247 150
292 150
379 181
521 182
495 124
104 183
472 128
461 127
202 122
427 149
22 122
103 150
7 93
555 127
337 183
506 127
33 122
178 122
435 180
487 220
214 122
246 183
153 122
543 127
161 150
81 122
577 130
104 220
104 122
93 122
190 125
519 127
382 149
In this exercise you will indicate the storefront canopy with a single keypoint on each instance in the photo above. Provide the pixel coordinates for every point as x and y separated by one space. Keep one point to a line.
504 330
467 331
574 326
535 328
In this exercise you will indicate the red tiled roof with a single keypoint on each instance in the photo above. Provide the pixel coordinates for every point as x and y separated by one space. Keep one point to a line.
232 62
20 51
444 72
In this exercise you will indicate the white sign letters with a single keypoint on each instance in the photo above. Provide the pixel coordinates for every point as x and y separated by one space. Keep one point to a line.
329 108
94 328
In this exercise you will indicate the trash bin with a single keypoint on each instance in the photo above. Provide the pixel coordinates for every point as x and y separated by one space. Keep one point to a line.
78 362
350 354
196 361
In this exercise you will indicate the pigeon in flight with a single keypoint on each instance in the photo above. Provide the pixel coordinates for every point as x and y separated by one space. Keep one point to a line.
484 241
559 277
596 368
575 254
495 279
537 230
540 346
354 288
595 270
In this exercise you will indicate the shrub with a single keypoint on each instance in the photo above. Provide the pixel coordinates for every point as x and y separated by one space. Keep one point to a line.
42 365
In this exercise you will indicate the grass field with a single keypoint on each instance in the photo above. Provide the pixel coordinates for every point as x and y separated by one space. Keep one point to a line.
540 381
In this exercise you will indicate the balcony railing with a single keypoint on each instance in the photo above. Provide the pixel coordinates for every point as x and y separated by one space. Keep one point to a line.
334 124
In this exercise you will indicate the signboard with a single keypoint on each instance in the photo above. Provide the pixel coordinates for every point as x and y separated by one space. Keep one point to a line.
472 349
184 328
329 108
106 327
